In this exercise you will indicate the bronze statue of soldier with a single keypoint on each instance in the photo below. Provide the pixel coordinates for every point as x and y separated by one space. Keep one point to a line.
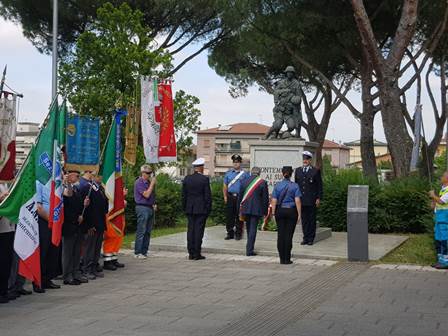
286 110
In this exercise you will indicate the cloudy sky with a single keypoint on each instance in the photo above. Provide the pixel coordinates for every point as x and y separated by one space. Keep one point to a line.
29 72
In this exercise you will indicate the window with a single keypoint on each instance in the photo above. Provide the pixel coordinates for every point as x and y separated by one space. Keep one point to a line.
206 143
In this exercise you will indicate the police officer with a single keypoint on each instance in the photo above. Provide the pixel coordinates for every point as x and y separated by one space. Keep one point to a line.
197 204
254 204
309 180
232 185
286 209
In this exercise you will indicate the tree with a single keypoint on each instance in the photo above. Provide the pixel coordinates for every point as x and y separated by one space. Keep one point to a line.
175 24
186 122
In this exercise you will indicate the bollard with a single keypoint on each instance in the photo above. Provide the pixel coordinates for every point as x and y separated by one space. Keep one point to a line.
357 223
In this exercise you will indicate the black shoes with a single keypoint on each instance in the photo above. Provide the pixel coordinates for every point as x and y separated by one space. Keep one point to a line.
253 254
199 257
286 262
72 282
37 289
303 243
109 266
228 237
23 291
118 264
50 285
238 237
310 243
306 243
190 257
4 299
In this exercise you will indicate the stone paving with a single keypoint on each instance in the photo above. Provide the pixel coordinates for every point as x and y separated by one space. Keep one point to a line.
334 247
169 295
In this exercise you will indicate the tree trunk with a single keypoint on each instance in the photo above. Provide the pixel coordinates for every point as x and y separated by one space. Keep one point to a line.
397 136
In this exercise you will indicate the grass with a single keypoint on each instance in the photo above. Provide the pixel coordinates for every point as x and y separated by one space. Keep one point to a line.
162 231
418 250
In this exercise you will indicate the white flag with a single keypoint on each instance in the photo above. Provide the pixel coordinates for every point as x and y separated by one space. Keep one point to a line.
150 126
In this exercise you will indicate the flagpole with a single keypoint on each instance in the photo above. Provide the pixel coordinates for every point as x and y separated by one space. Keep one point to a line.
54 84
2 83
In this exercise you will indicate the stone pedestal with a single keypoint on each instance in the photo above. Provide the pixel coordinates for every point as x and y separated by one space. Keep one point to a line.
272 155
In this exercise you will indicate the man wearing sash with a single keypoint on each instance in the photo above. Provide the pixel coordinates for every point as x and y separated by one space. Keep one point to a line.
232 186
254 204
440 205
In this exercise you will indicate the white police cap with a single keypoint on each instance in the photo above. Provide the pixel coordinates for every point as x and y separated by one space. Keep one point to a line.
199 162
307 153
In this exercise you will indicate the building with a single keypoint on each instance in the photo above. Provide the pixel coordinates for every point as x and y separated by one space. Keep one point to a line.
355 149
339 154
217 145
26 136
181 170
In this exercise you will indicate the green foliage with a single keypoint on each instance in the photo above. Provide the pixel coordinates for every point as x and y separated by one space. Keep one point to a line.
399 206
219 207
327 168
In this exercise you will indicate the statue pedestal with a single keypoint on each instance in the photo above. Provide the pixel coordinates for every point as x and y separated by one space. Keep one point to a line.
272 155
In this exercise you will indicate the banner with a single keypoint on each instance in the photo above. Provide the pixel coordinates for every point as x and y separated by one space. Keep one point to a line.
8 127
83 143
167 142
150 125
131 135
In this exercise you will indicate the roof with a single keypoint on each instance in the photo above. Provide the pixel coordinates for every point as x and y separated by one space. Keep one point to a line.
378 158
328 144
240 128
358 143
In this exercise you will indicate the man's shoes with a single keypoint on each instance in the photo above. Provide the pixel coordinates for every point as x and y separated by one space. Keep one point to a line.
4 299
252 254
98 274
109 266
51 285
12 295
23 291
238 237
140 256
37 289
98 268
228 237
82 279
191 257
303 242
117 264
287 262
90 276
310 243
72 282
199 257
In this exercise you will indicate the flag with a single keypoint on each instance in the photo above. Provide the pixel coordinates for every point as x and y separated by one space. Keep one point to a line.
8 127
167 140
56 212
131 135
150 125
112 180
20 207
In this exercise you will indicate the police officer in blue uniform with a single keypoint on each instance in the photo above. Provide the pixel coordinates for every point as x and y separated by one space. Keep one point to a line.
310 182
286 209
231 189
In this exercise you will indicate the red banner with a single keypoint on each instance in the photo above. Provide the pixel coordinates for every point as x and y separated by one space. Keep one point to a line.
7 136
165 115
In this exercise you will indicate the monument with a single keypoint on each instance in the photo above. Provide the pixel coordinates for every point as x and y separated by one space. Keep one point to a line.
278 148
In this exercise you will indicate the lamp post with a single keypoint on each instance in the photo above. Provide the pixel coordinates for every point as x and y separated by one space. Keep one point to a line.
54 82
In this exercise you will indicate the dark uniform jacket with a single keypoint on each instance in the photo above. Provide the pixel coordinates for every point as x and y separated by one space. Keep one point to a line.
73 206
95 213
310 184
196 195
258 203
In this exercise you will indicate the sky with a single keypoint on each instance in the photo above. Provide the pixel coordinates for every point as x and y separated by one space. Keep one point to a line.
29 73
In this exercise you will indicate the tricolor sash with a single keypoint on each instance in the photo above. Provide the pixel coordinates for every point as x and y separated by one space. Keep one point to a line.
249 192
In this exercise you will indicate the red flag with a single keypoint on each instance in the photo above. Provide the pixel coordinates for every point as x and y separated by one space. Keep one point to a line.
167 143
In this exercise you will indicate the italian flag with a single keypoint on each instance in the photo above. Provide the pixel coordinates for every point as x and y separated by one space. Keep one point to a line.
112 180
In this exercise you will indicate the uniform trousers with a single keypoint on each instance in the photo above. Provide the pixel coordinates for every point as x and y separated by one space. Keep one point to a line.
6 253
234 225
16 281
309 223
71 256
195 233
251 228
49 254
92 251
286 219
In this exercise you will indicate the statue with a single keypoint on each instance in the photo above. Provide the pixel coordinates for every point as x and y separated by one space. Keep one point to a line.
286 107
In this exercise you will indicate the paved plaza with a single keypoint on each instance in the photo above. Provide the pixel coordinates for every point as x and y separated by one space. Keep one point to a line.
236 295
334 247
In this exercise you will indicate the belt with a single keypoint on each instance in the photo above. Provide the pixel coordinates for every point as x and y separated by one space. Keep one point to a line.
145 205
286 207
233 194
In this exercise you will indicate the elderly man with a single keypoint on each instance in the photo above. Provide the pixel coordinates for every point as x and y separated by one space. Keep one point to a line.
254 205
197 204
144 196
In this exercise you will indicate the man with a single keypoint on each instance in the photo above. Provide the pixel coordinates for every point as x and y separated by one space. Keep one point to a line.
71 230
144 196
6 251
93 224
440 205
231 189
309 180
254 204
197 204
49 254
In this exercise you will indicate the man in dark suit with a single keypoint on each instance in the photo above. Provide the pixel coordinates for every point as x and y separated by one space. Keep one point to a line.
197 204
254 204
309 180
